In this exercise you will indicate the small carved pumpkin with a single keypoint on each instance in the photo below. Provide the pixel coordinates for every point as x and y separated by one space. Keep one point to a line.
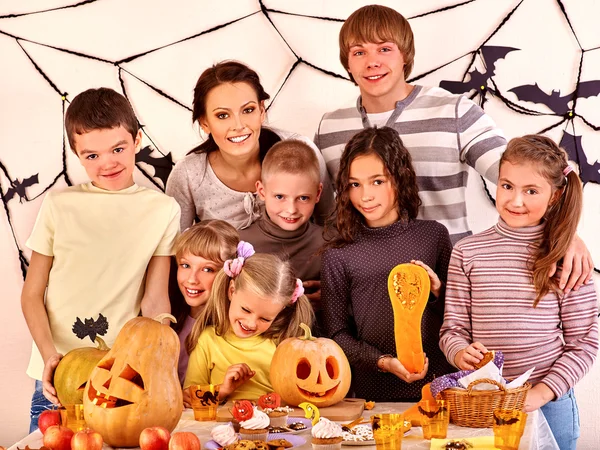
312 370
135 386
270 400
408 288
74 370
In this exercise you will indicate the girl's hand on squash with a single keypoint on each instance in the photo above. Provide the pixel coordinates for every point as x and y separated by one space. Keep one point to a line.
187 400
48 375
236 375
395 366
469 356
436 284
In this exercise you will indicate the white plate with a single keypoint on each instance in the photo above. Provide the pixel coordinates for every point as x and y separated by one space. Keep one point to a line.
290 420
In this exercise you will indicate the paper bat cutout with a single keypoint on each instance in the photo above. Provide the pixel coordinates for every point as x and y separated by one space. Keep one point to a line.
557 103
18 187
490 54
431 414
573 147
91 327
501 421
162 165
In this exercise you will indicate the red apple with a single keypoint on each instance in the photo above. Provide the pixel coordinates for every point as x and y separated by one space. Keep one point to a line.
58 437
155 438
87 440
184 441
48 418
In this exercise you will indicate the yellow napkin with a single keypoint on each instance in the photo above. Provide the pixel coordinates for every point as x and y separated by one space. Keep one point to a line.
478 443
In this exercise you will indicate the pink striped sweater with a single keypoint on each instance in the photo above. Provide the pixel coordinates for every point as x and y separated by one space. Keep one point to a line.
489 298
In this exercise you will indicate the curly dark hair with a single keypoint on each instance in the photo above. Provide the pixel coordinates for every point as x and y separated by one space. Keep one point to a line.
387 145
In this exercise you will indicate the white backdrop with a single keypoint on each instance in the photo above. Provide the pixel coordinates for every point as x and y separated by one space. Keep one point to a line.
103 35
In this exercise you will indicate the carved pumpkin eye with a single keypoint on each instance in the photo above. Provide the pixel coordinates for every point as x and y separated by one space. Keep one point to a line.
303 369
132 375
107 364
332 367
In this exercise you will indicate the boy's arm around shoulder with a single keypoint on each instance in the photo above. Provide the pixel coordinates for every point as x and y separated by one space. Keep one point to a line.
36 316
156 293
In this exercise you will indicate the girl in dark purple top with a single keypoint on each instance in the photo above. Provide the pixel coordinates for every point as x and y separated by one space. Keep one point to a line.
377 205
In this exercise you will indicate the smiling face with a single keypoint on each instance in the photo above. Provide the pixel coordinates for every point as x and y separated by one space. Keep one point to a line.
234 117
523 194
378 70
108 156
372 191
250 314
195 276
290 199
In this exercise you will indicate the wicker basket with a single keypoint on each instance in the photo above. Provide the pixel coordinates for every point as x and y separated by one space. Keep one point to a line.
475 409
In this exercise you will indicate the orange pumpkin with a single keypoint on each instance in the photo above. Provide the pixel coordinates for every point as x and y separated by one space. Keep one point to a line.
74 370
412 414
408 288
308 369
135 386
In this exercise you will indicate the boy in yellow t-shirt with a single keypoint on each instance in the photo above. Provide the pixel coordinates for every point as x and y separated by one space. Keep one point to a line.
100 250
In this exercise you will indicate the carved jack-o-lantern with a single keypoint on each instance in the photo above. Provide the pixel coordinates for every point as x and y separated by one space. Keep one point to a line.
135 386
311 370
73 372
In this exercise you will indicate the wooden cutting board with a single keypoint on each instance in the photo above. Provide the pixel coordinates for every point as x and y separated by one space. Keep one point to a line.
347 409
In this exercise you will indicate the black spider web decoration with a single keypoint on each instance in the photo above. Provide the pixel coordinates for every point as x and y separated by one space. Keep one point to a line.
163 163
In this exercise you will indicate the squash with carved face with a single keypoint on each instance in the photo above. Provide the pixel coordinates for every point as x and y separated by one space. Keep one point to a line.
135 386
308 369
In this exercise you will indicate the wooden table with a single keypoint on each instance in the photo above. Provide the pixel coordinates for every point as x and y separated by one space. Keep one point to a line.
537 434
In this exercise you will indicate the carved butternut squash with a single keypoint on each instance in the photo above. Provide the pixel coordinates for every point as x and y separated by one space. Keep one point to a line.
408 288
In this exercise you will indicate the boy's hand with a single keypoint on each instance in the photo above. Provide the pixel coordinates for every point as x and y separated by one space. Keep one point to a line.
312 290
469 356
48 377
395 366
436 284
538 396
236 375
187 399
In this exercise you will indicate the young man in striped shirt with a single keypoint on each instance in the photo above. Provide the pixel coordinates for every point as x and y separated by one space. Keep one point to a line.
445 133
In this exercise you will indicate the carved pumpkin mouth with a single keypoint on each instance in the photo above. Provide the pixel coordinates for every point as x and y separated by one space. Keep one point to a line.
316 395
106 400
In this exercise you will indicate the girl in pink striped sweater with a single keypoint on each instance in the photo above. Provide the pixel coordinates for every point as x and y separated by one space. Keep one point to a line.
501 295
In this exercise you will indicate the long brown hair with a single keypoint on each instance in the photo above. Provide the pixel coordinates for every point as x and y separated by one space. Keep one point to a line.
564 211
229 72
268 276
215 240
386 144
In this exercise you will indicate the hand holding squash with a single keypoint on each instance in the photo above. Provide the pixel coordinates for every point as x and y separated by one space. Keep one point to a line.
396 367
469 356
435 282
236 375
47 377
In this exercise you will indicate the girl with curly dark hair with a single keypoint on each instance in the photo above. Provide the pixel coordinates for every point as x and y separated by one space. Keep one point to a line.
376 208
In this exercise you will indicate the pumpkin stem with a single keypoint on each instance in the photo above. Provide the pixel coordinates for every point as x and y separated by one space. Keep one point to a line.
307 333
162 316
101 344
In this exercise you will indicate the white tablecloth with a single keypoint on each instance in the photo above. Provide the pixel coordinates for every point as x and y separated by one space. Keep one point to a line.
537 435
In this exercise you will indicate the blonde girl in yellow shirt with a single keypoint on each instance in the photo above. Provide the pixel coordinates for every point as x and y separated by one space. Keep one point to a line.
255 302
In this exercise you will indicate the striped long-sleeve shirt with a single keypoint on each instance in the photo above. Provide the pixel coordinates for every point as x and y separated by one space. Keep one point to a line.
489 299
444 133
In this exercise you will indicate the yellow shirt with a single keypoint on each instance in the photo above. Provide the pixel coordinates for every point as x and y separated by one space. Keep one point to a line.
101 243
214 354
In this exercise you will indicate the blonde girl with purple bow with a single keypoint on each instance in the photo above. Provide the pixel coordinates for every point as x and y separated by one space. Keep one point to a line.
256 302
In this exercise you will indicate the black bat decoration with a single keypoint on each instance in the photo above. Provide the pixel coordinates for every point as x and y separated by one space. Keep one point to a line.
490 55
431 414
502 421
162 165
18 187
573 147
91 327
557 103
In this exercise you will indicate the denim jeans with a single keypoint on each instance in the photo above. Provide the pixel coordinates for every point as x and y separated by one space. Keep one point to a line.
39 403
563 417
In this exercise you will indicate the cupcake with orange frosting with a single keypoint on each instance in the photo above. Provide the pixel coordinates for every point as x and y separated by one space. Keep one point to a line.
326 435
270 404
254 424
